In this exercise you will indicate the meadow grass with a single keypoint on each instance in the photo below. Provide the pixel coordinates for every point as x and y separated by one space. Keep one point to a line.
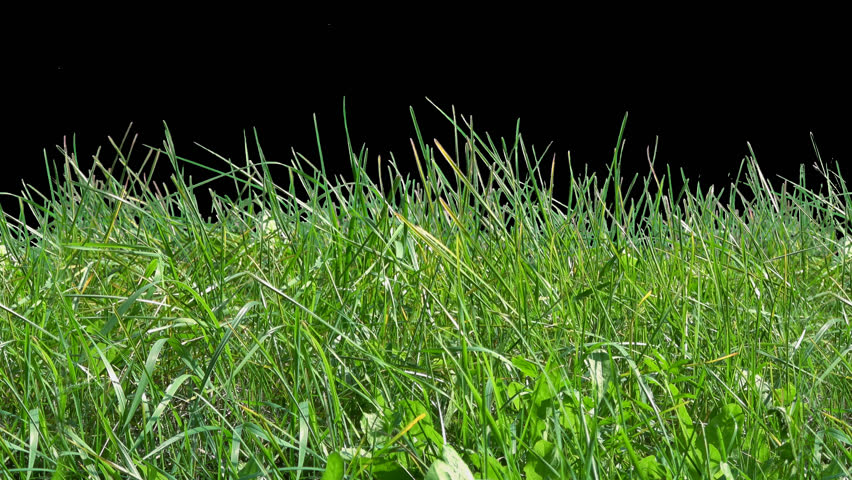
461 325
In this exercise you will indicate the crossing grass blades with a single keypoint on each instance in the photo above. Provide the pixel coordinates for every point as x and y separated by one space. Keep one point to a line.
460 324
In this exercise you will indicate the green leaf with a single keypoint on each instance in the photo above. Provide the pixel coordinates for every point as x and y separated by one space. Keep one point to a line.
599 364
697 463
684 422
726 471
333 467
449 467
389 468
784 396
424 430
489 467
304 429
724 426
537 467
34 435
514 391
651 364
527 367
761 386
373 427
651 469
548 387
628 261
398 250
250 470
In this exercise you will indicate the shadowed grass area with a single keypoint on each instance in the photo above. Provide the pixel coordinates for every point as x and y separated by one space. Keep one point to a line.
448 326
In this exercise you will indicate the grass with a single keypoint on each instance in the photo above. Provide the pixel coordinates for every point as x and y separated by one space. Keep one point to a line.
467 325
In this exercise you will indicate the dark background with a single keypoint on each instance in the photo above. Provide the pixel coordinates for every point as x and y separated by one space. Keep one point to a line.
703 82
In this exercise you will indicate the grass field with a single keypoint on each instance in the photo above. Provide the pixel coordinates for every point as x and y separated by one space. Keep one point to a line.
457 326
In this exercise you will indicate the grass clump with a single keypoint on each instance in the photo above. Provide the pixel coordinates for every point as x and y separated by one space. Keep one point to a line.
467 325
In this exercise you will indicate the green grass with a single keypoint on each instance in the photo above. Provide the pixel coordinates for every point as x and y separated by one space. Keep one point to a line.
448 326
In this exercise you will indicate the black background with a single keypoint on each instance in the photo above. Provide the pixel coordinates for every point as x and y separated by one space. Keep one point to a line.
702 82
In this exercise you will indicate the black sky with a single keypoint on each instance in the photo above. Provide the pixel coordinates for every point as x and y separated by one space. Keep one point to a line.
704 83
